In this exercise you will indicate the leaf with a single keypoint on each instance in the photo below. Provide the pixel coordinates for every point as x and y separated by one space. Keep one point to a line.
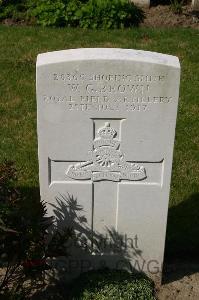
5 229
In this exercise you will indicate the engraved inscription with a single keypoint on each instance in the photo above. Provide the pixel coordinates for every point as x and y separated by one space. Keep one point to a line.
108 77
108 92
107 161
118 88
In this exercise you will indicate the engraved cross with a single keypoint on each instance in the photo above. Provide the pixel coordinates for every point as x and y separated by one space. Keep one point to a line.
105 172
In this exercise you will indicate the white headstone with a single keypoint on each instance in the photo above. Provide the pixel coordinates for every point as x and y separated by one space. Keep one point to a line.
106 126
195 5
142 3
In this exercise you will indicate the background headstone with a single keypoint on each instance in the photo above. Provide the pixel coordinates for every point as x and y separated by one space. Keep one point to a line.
106 125
142 3
195 5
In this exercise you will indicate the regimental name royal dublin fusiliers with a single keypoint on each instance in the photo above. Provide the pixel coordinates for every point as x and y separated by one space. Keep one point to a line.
107 161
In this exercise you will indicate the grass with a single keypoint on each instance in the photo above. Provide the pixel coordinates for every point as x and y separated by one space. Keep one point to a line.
19 47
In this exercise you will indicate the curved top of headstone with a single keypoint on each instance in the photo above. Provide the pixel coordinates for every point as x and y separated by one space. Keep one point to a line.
107 54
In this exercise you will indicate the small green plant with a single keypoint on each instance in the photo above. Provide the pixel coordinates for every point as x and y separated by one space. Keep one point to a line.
112 284
177 6
13 9
21 237
24 246
109 14
74 13
47 12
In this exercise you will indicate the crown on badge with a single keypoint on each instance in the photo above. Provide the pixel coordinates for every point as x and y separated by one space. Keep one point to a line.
107 132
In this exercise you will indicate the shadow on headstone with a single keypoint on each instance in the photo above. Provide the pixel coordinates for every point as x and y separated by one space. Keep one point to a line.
182 242
86 249
159 2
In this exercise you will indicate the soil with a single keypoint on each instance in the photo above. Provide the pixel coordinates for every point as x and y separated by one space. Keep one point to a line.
163 16
180 282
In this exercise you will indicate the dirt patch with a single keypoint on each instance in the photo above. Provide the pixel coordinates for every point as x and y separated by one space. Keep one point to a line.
163 16
181 282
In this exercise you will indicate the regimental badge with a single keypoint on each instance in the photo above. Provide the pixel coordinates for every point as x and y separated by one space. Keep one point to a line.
107 161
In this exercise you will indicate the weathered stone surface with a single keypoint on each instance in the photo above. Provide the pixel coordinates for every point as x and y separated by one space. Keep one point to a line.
106 125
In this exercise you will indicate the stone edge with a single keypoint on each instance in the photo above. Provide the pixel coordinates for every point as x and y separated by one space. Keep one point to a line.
107 54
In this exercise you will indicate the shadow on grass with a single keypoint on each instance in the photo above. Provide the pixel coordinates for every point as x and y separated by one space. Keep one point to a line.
31 197
182 241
